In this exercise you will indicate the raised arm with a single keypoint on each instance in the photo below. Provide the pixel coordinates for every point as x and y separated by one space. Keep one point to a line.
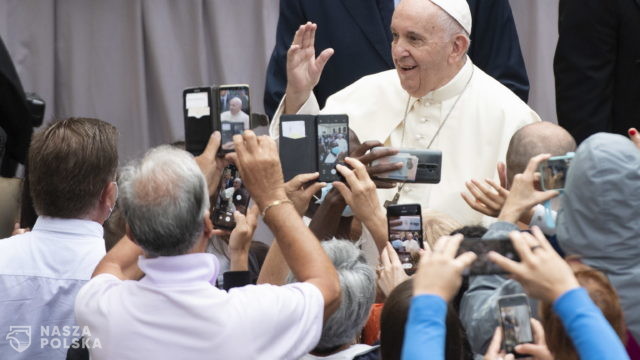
303 68
259 164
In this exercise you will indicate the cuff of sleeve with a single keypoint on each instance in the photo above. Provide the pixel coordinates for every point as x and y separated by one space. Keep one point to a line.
570 300
428 308
538 220
309 107
231 279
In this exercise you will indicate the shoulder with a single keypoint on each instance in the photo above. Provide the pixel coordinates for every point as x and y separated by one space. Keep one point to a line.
367 91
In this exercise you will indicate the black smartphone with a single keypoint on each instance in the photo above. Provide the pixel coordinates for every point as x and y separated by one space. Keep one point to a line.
232 196
297 145
198 121
515 319
553 172
234 109
482 265
404 222
419 166
332 146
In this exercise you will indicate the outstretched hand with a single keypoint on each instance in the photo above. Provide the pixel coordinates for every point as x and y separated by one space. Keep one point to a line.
541 271
303 68
440 272
298 194
487 198
523 195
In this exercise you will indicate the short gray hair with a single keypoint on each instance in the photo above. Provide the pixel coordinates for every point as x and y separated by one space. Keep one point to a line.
451 27
164 198
357 282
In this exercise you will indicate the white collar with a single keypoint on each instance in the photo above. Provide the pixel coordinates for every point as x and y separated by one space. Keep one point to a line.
179 269
68 226
453 88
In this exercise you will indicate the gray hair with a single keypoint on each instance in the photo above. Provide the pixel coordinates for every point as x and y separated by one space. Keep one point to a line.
357 282
236 99
164 199
451 27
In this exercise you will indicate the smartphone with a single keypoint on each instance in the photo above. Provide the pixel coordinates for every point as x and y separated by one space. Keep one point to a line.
297 145
232 196
198 123
405 234
482 265
233 117
515 315
419 166
332 146
553 172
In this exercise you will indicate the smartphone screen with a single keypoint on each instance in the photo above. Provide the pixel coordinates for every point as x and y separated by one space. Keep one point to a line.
405 234
553 172
197 119
234 117
332 146
482 265
232 196
515 321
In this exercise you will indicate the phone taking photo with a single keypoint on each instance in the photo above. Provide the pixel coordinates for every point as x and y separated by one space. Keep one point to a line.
418 166
553 172
404 222
198 123
515 319
234 113
482 265
332 145
232 196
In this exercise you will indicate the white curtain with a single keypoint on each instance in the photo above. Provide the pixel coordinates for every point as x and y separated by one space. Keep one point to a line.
127 61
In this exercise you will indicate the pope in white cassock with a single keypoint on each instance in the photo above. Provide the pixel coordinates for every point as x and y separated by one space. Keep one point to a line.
235 113
435 98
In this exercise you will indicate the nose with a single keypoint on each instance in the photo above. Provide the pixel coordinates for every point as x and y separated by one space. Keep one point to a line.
398 49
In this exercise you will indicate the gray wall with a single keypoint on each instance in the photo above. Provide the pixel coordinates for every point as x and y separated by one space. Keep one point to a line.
127 61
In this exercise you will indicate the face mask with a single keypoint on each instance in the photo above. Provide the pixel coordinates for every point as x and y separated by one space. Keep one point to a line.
335 150
347 210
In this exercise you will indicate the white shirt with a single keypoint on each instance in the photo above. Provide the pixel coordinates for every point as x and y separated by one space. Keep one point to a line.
346 354
473 140
176 312
241 116
40 274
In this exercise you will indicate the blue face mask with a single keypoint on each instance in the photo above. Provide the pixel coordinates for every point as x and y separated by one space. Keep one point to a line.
325 190
335 150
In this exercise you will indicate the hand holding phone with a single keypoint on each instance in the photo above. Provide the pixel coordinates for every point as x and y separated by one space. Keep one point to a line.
419 166
482 265
405 234
553 172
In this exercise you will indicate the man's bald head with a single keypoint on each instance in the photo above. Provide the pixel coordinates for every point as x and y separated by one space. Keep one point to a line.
533 139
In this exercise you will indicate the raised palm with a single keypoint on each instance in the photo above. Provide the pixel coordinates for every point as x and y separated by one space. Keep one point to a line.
303 68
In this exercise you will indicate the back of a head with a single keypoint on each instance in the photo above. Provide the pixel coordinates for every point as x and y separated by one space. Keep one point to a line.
394 318
603 295
436 224
599 217
358 288
70 163
164 199
534 139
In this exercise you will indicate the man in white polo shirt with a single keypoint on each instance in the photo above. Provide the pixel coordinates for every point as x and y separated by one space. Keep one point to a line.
72 168
175 311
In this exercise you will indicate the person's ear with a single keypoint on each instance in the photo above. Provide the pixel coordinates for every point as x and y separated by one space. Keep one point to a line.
109 194
459 48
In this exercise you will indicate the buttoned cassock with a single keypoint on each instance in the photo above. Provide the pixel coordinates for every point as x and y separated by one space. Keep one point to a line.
473 140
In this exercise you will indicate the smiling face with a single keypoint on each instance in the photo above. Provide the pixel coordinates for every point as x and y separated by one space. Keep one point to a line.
421 49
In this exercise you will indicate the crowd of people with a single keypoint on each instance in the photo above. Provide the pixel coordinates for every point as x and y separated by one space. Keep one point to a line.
173 284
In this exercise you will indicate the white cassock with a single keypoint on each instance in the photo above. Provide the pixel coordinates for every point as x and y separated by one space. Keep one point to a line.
473 140
241 116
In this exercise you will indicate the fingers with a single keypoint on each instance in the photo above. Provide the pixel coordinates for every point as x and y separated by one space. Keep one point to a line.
349 175
519 241
252 216
634 136
377 154
297 38
466 259
546 195
212 146
364 147
534 163
358 168
494 346
542 240
482 193
502 174
499 188
385 261
299 180
536 351
508 265
240 219
538 332
451 245
344 191
322 59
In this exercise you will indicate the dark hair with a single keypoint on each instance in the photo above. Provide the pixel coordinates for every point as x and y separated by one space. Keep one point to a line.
471 231
70 163
394 317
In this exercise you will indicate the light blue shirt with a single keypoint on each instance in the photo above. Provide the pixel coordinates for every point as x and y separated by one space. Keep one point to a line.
40 273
